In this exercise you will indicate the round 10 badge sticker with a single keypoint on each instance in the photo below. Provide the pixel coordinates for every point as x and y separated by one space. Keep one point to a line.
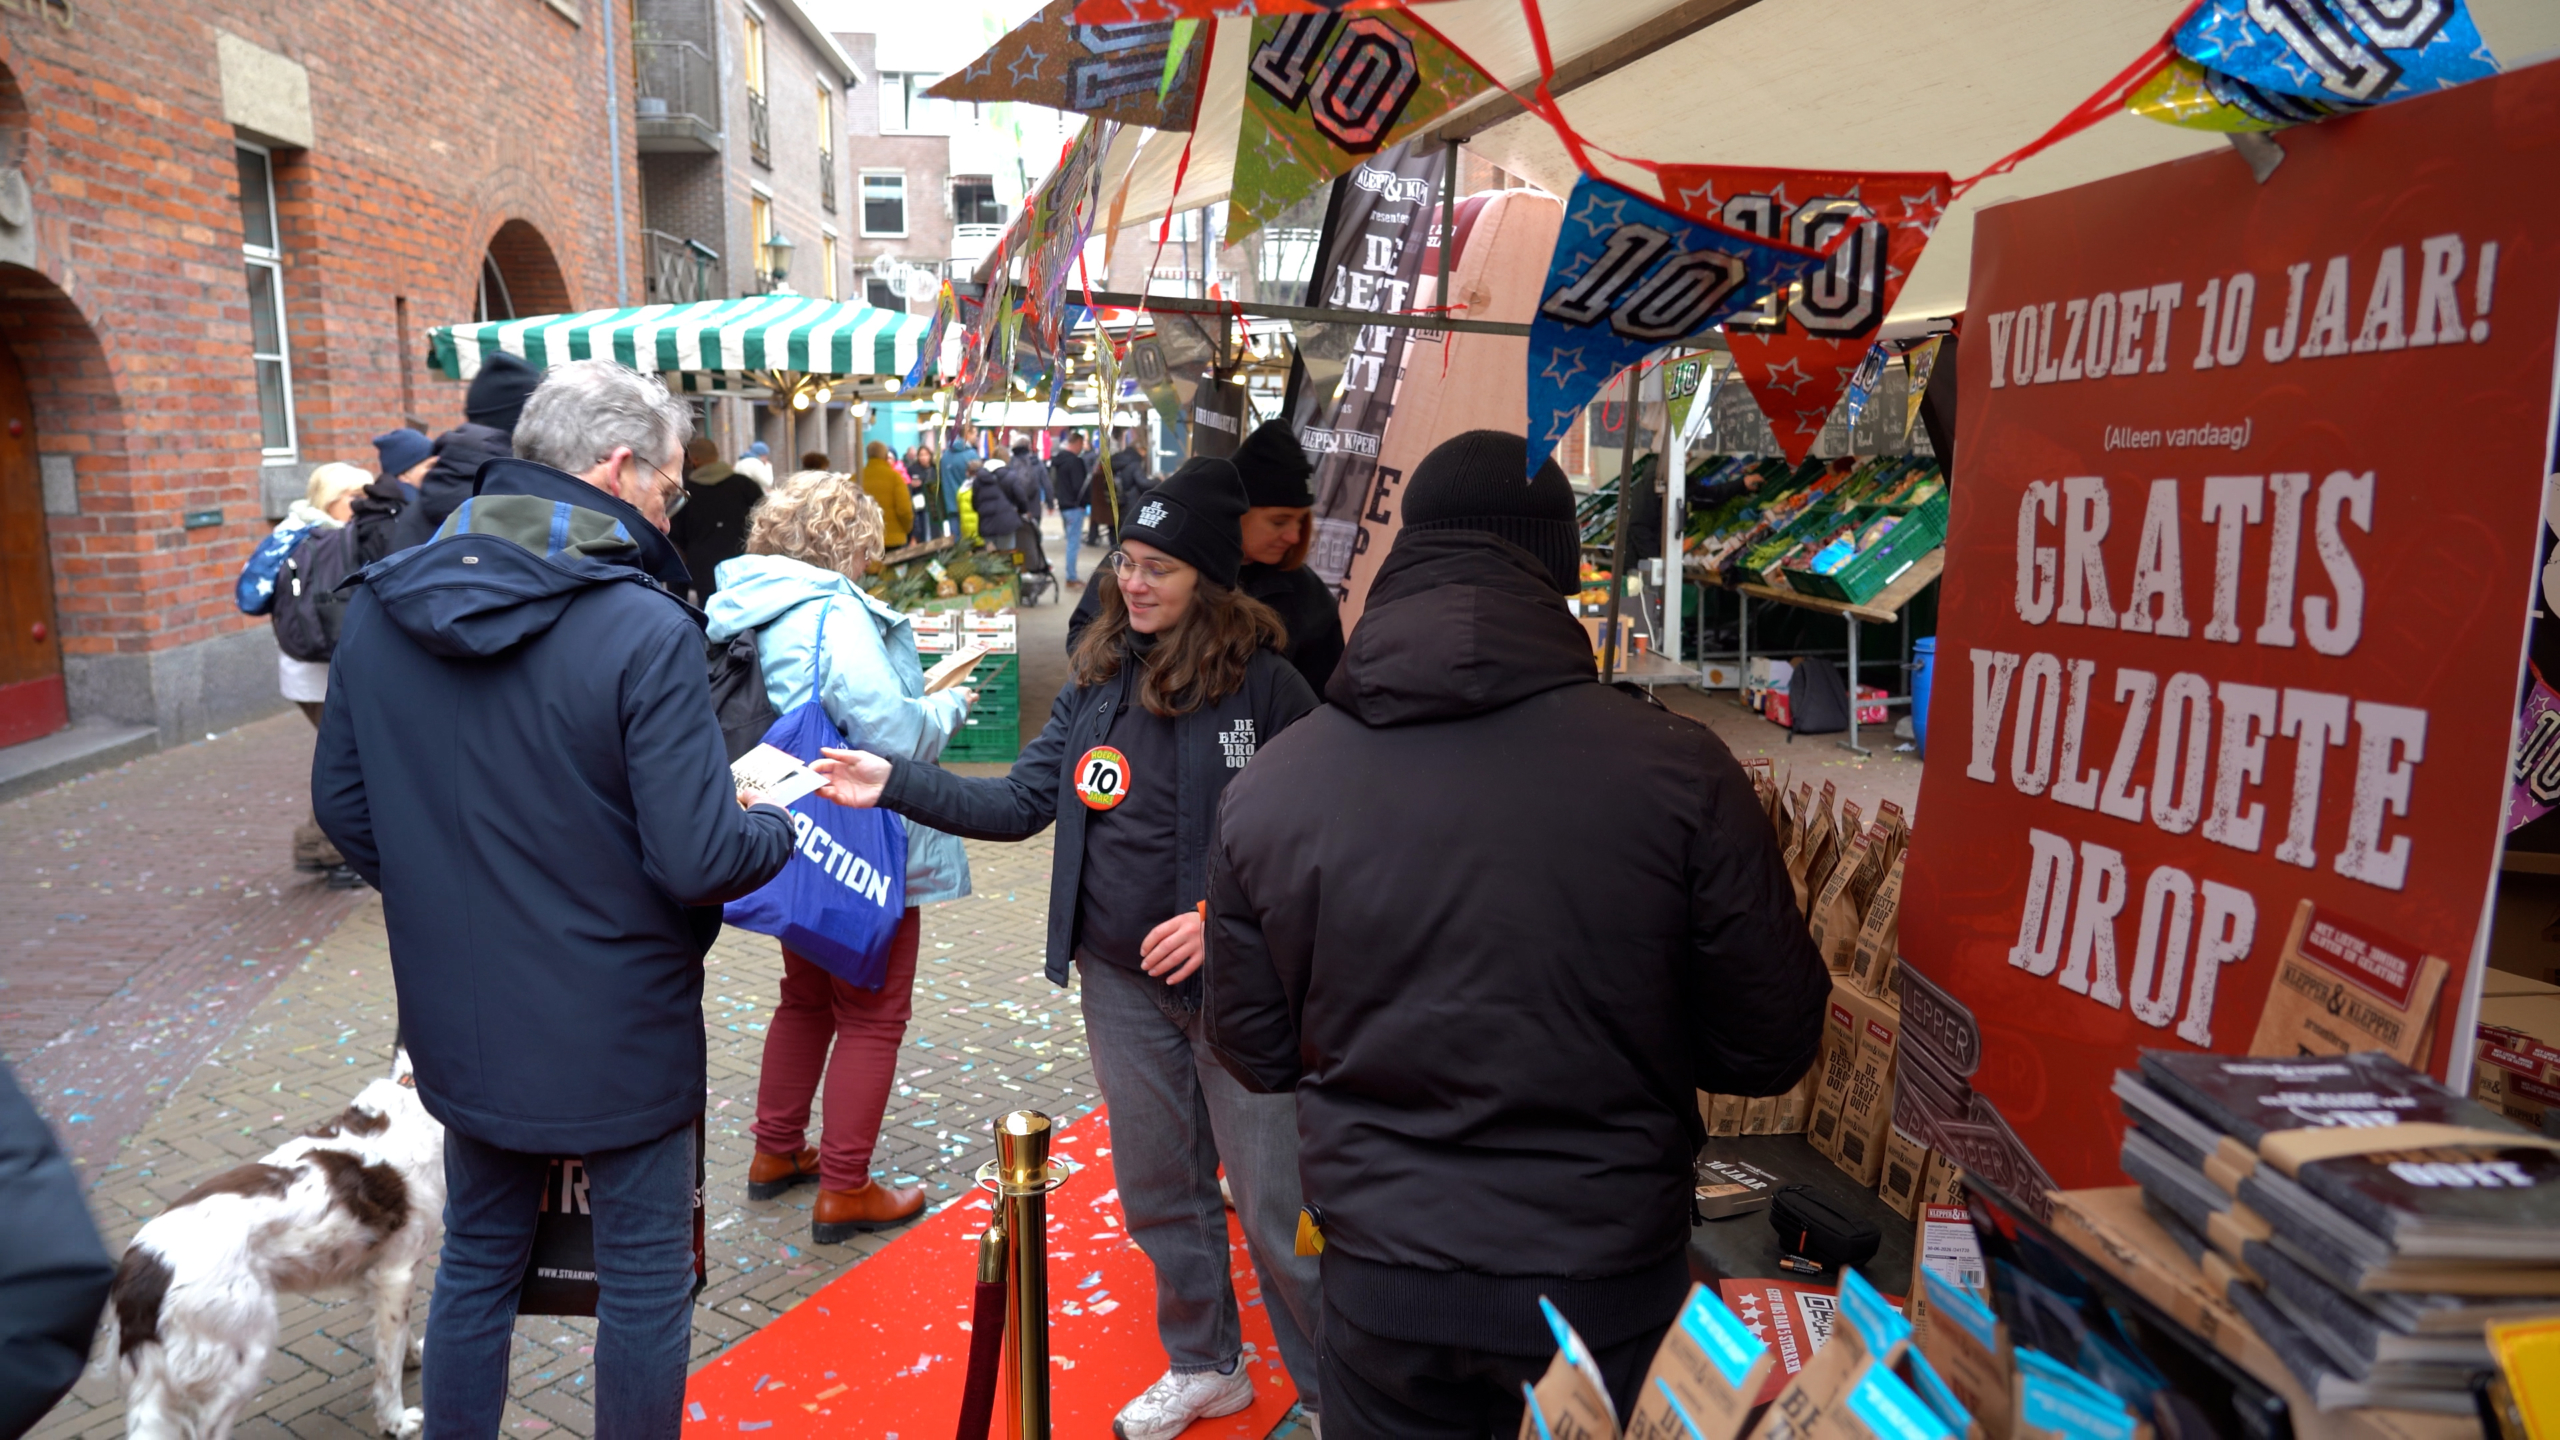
1102 778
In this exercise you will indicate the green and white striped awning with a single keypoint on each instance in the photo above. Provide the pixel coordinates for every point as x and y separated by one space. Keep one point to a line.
711 344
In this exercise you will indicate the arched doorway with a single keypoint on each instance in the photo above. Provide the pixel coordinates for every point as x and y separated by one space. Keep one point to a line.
32 702
519 276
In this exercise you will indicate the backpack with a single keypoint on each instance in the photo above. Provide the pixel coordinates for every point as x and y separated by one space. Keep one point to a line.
308 606
737 693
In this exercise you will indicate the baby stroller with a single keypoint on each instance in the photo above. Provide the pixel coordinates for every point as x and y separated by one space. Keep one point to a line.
1031 562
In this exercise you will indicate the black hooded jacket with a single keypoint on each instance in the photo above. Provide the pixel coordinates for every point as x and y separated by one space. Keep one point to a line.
520 754
460 452
1496 924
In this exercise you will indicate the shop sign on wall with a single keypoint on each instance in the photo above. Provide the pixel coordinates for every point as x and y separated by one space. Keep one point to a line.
2245 523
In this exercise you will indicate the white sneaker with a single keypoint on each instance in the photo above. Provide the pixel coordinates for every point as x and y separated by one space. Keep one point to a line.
1170 1405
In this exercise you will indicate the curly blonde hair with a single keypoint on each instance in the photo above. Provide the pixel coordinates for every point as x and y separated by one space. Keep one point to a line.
820 518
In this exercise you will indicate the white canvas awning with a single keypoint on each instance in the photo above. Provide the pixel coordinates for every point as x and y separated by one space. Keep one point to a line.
1830 84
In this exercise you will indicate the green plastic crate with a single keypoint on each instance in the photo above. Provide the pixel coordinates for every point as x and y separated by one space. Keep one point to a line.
1872 569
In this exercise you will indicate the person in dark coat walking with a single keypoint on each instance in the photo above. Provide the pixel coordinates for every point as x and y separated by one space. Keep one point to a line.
406 457
489 410
54 1271
712 526
1175 687
1071 472
1495 925
520 753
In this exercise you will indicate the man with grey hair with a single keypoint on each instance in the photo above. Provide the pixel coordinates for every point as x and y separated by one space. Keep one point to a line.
520 754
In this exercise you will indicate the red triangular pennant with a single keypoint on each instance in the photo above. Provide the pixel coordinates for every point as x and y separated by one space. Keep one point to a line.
1798 350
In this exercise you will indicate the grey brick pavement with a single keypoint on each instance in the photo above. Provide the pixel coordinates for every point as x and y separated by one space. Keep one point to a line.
147 909
990 1034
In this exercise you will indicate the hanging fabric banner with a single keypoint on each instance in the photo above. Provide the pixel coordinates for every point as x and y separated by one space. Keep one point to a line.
2192 97
1110 71
2534 788
1064 210
1112 12
1323 90
946 306
1629 277
1798 349
2356 52
1372 255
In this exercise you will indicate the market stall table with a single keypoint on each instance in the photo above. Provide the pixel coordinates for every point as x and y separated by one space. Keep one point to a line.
1884 609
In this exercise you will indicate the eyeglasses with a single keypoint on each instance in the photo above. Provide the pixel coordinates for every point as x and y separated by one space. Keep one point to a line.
677 496
1128 566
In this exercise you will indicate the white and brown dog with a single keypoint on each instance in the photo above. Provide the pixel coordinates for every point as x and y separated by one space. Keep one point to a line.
353 1205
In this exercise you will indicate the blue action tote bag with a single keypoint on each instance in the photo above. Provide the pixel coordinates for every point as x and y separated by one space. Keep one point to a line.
840 898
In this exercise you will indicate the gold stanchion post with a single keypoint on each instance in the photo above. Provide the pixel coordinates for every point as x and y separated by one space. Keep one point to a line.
1024 1176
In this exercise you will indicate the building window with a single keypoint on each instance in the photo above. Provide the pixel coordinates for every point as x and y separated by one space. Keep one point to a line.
881 295
263 256
906 109
827 258
760 230
826 147
884 204
759 113
973 201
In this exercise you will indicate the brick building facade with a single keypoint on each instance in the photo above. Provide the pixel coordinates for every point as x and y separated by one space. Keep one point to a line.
427 165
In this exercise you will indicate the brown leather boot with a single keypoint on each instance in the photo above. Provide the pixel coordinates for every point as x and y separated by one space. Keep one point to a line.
770 1175
840 1214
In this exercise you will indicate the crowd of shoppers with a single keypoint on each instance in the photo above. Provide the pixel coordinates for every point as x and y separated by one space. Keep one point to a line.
1284 868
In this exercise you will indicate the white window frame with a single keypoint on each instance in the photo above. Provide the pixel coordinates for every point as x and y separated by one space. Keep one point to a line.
862 204
269 260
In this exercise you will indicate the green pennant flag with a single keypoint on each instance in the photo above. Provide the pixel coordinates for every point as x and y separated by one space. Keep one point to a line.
1321 91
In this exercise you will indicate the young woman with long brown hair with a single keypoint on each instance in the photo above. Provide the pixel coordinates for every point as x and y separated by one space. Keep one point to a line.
1176 682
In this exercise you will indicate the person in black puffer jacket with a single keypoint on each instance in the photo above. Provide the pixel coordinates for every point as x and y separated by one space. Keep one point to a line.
489 411
1175 687
1495 1038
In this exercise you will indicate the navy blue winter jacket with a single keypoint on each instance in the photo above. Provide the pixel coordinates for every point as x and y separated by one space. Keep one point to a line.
519 752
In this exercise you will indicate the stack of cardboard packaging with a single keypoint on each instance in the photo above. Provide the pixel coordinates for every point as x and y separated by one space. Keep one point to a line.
1847 873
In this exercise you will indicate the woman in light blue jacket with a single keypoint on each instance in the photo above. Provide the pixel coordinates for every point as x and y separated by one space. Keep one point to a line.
811 538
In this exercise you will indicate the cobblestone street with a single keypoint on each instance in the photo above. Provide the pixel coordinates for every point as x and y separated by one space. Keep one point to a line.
220 1073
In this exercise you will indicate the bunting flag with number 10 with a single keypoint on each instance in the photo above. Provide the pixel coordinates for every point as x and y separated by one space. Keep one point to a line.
1628 278
1798 349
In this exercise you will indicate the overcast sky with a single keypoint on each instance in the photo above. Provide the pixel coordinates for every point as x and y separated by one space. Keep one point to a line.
939 36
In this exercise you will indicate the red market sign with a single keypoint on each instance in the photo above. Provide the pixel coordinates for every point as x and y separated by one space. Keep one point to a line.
2246 504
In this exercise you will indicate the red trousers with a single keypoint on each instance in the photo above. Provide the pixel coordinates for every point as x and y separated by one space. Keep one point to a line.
865 1027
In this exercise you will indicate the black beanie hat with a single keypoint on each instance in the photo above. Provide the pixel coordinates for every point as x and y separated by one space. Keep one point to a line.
1472 482
498 392
1195 516
1274 467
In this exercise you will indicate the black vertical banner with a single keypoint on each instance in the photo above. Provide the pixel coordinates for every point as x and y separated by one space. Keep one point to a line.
1343 385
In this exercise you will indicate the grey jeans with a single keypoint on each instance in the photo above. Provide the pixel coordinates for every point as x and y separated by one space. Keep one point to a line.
1175 1112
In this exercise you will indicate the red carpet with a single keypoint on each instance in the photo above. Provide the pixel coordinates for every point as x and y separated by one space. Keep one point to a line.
880 1353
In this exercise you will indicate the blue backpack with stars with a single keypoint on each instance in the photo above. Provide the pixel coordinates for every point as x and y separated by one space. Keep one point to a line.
840 898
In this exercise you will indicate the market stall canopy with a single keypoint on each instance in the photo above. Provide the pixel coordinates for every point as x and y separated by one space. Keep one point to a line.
710 344
1809 84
